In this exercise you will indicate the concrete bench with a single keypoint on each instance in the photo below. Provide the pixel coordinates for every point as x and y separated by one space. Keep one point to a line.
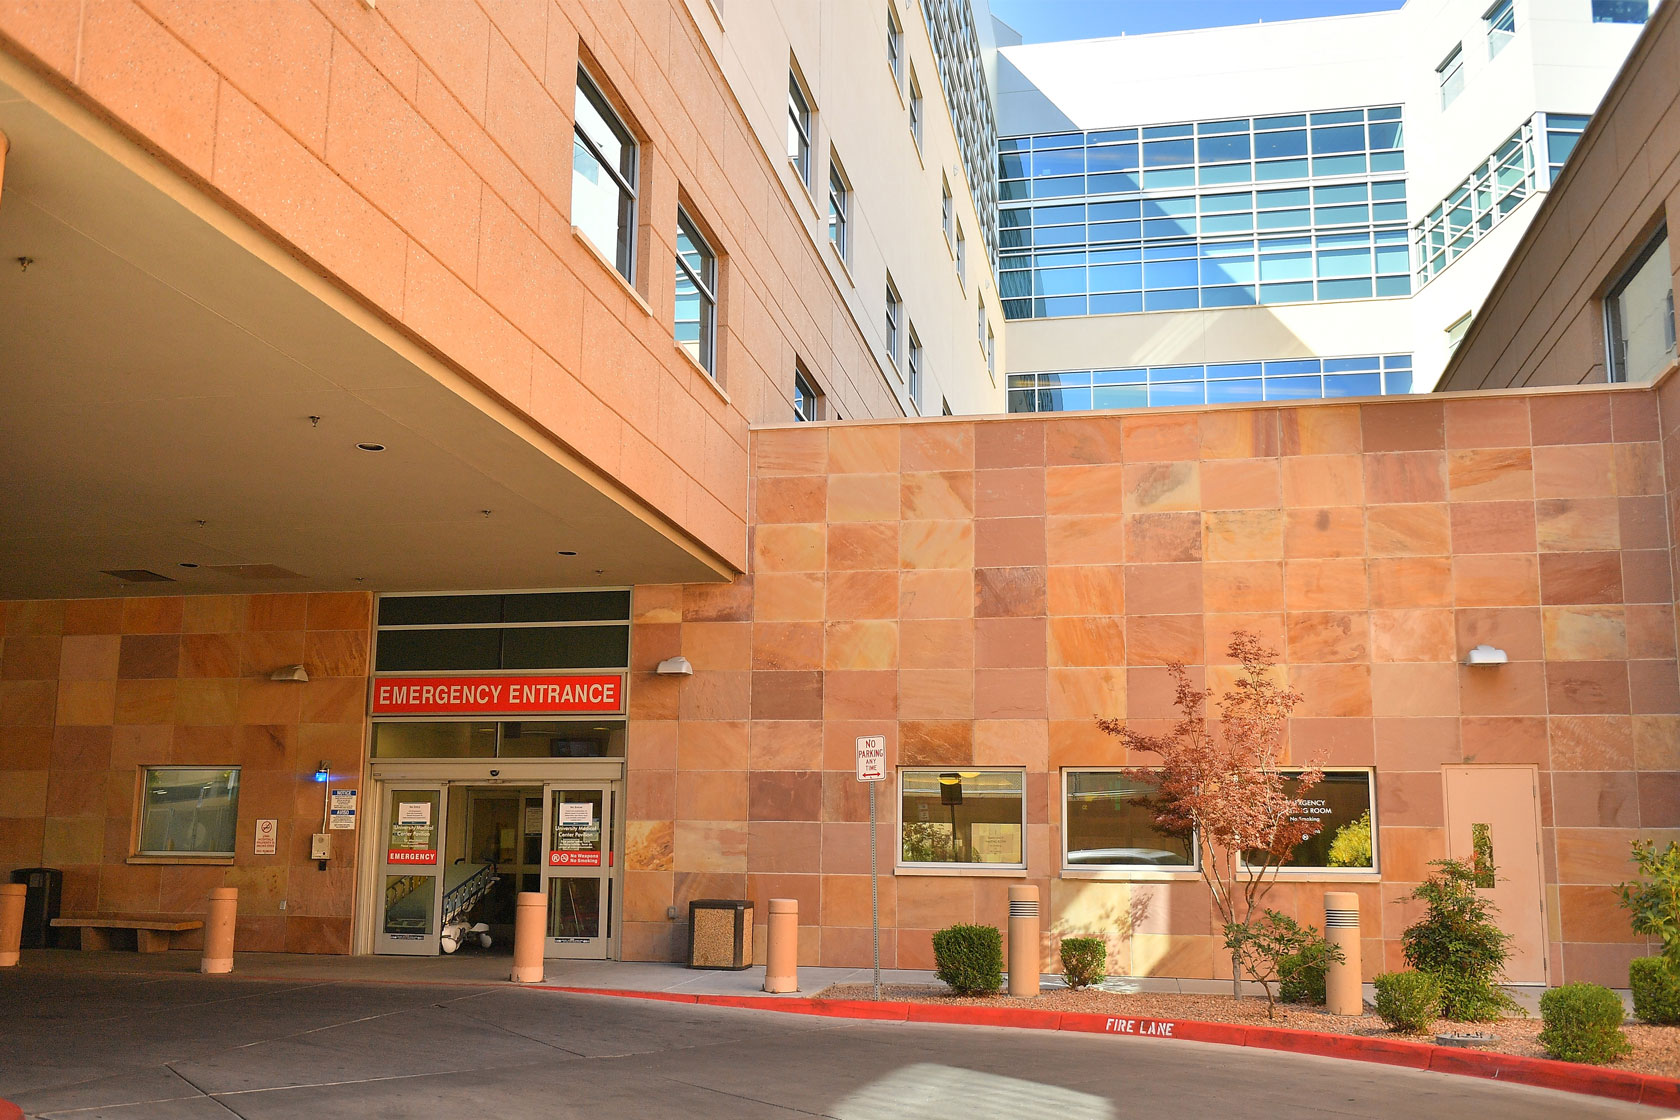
151 935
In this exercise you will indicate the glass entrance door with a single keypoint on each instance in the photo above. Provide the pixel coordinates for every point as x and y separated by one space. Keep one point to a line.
412 834
579 827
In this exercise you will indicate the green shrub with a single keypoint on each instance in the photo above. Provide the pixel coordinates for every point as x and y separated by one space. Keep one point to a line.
1655 905
1583 1023
1351 846
1408 1001
1457 942
1277 948
1084 961
1301 976
1656 989
969 959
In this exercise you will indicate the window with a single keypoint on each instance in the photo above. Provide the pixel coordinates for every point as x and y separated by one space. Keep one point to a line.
1501 22
895 319
1457 329
895 45
1620 11
915 374
807 401
1105 824
967 817
465 633
188 810
839 207
962 256
603 177
695 320
1220 383
1451 75
944 407
799 129
1639 315
991 353
593 737
1346 838
980 327
1498 185
947 211
915 108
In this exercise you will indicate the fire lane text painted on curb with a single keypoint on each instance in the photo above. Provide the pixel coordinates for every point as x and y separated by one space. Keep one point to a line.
1140 1026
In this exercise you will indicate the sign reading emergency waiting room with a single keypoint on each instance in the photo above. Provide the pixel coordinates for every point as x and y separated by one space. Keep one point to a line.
499 696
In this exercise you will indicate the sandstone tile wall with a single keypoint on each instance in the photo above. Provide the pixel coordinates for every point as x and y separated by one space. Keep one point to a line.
980 591
93 689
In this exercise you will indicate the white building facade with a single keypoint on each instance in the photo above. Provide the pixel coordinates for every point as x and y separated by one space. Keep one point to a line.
1277 211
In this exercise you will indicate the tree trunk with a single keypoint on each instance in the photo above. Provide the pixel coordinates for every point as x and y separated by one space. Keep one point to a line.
1236 976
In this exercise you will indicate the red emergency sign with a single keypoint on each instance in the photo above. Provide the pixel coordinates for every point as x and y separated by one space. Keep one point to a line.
480 695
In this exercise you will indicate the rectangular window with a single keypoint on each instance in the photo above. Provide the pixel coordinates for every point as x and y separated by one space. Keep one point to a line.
1343 807
962 256
1620 11
695 321
991 353
895 319
915 108
799 129
1106 825
980 326
947 211
603 177
807 402
1450 74
1639 315
915 367
188 810
962 818
895 45
1501 22
839 209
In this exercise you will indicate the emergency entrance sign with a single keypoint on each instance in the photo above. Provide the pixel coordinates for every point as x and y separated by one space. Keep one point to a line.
872 758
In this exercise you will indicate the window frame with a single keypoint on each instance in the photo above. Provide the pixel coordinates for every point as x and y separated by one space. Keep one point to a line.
913 369
802 380
918 110
1451 71
895 323
947 212
707 287
1498 38
839 209
901 865
801 119
144 853
1616 365
1117 871
1375 870
590 90
895 46
1594 9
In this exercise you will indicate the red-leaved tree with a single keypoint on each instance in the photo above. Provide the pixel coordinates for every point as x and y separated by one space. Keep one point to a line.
1219 783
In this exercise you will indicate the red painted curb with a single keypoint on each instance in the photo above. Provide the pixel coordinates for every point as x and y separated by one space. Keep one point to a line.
1543 1073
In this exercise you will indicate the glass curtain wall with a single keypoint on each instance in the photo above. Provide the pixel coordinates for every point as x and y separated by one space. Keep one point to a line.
1158 386
1227 213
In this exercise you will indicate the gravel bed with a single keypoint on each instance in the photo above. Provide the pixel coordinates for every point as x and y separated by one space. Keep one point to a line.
1655 1049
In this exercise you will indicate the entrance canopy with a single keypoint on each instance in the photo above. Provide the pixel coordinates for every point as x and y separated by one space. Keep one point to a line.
180 397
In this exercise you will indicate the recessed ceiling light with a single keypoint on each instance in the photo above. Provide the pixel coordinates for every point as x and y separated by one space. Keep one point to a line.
370 446
185 564
566 552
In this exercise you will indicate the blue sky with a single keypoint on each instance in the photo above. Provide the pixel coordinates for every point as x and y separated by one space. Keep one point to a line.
1044 21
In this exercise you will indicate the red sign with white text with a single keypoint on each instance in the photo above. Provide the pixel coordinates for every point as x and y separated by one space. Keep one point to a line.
574 859
544 695
409 855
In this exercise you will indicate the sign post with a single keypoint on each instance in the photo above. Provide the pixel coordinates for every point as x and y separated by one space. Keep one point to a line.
872 770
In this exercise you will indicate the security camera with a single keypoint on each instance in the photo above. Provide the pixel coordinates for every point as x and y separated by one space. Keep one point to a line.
495 773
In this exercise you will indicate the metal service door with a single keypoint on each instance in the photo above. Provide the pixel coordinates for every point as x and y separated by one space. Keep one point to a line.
1493 813
579 827
413 869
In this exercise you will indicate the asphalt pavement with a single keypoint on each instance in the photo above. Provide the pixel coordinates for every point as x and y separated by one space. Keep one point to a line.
137 1046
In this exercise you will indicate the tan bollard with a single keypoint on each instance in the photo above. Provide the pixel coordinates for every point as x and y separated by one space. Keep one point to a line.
219 923
781 946
11 907
529 921
1342 989
1023 941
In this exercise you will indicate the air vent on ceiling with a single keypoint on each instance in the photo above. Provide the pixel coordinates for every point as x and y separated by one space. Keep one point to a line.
255 571
137 575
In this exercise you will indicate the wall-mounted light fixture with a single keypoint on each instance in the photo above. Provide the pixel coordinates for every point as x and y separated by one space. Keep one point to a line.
1485 655
678 666
323 773
295 673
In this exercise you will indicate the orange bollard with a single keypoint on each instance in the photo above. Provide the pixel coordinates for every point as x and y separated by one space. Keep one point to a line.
218 930
781 947
1024 953
11 907
529 920
1342 994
